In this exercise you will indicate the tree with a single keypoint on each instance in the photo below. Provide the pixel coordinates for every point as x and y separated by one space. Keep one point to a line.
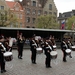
6 18
70 22
47 21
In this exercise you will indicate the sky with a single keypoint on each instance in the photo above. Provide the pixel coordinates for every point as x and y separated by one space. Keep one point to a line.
63 5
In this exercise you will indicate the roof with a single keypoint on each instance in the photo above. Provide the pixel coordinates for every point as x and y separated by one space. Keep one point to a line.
36 29
10 4
67 14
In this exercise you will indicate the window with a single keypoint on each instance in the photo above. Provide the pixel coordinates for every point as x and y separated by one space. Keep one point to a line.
55 13
45 12
34 12
34 3
17 8
33 20
50 6
39 12
17 15
63 15
20 24
28 11
28 19
21 16
1 7
50 13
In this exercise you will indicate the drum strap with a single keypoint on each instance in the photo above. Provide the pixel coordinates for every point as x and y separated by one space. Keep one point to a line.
65 44
50 47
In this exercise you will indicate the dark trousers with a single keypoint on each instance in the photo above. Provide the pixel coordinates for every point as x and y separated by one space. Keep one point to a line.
20 51
33 57
64 55
2 64
48 60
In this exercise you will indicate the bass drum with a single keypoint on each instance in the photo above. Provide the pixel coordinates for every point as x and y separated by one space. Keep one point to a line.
53 54
8 56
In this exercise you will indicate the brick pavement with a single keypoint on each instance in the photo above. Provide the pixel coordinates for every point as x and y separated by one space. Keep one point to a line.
25 67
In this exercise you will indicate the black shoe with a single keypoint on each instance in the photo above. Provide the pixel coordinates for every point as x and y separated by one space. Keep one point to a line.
64 61
70 56
34 62
20 57
50 66
46 66
2 71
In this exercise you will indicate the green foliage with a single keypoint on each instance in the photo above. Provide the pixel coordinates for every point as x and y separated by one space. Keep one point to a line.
6 18
70 22
47 21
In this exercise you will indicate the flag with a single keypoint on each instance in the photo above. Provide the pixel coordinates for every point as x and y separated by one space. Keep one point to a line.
63 24
73 26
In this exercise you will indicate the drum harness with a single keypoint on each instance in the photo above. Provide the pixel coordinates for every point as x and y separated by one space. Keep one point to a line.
34 43
49 46
65 45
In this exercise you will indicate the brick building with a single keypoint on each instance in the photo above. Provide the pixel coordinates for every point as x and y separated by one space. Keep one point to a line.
17 9
35 8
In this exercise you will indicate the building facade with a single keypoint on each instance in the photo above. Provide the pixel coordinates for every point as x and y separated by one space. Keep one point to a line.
64 16
35 8
17 9
3 13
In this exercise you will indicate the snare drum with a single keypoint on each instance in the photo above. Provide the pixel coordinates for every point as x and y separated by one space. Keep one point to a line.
68 51
53 54
39 50
73 48
8 56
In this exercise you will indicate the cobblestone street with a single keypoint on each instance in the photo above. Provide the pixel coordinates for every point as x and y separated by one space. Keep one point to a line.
25 67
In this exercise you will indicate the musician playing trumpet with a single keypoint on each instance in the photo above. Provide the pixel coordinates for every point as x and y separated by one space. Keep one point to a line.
2 61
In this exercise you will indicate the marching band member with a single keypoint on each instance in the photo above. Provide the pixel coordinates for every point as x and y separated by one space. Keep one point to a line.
64 46
70 46
42 43
20 44
10 43
2 61
33 47
48 48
